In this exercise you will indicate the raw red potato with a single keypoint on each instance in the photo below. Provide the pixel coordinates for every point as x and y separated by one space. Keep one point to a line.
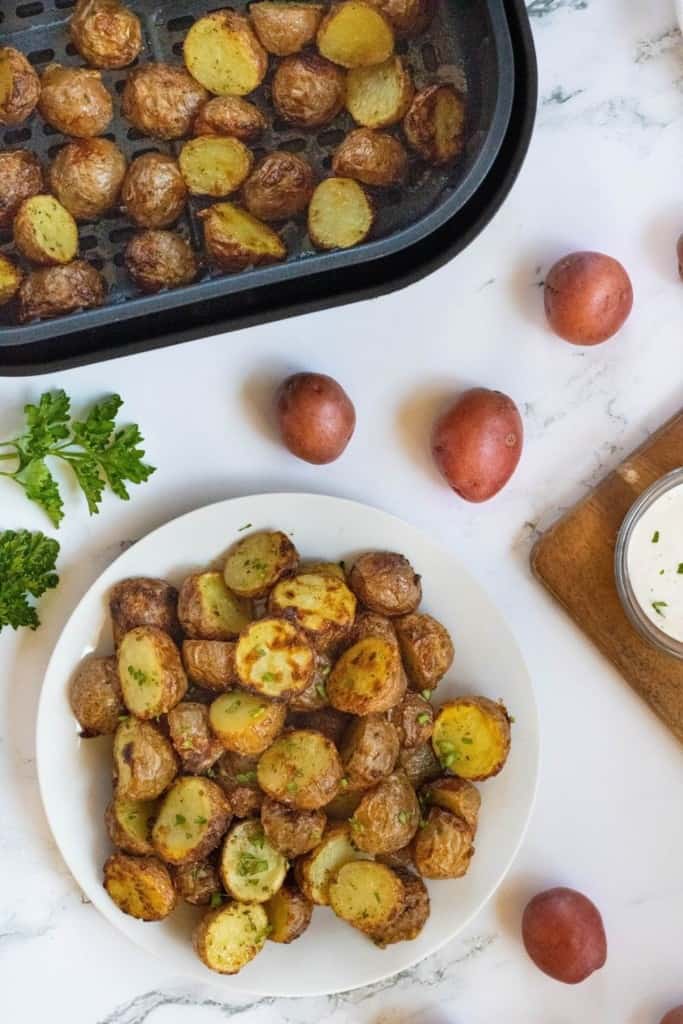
316 417
588 297
564 935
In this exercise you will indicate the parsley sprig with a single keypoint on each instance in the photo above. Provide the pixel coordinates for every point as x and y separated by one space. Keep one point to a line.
27 569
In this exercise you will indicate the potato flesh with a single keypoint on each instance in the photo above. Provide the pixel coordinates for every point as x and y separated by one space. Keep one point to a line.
379 96
362 675
6 80
245 723
273 658
355 35
447 122
228 938
139 886
340 215
366 894
318 600
301 768
236 240
256 563
289 914
135 819
187 814
54 232
251 869
319 867
469 741
224 55
10 279
214 166
222 612
151 673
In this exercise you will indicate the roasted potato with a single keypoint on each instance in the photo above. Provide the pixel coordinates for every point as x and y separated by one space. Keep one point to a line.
285 28
292 832
328 721
19 87
226 939
60 290
317 420
369 751
274 658
235 240
160 259
314 697
426 648
105 33
420 764
210 663
213 165
192 820
442 847
150 671
301 769
21 177
222 52
236 775
194 743
412 917
413 720
368 678
386 582
322 568
458 796
75 101
308 91
86 176
397 859
373 158
340 214
371 624
10 279
258 561
143 601
246 723
409 18
198 883
95 697
379 96
208 610
229 115
387 817
154 193
316 869
367 894
471 737
44 232
129 824
322 605
435 124
280 187
588 297
251 869
162 100
564 935
289 913
140 886
144 761
355 34
342 806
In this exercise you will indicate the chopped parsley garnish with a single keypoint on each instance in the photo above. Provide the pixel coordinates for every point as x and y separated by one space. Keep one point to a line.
468 740
137 674
200 820
658 605
180 819
249 864
448 760
292 787
268 677
260 652
344 782
257 712
423 718
244 778
247 526
321 691
216 900
679 570
426 694
655 537
403 817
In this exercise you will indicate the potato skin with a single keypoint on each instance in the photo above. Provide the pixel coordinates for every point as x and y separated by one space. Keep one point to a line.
442 847
280 187
564 935
413 720
369 751
225 243
420 128
86 176
679 254
588 297
120 836
56 291
285 28
291 831
409 18
144 761
674 1016
420 764
162 100
412 918
95 697
143 601
105 33
289 913
329 721
24 92
477 443
229 115
154 194
236 775
387 817
314 697
160 259
140 886
385 582
456 795
75 101
372 624
426 648
373 158
210 663
197 882
316 417
196 746
308 90
21 176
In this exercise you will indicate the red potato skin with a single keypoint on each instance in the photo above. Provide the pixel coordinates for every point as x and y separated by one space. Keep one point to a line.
477 443
679 250
564 935
588 297
674 1016
316 417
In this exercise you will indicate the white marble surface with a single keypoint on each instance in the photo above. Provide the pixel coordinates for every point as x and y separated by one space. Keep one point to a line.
604 172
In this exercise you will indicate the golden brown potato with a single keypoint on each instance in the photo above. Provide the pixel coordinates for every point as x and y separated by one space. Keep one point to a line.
380 96
95 697
60 290
289 914
105 33
75 101
19 87
144 760
235 240
236 775
355 34
251 868
328 721
387 817
458 796
213 165
192 820
426 648
291 831
160 259
369 751
198 883
10 279
308 91
442 847
409 18
368 678
258 561
314 697
343 805
322 568
420 764
246 723
129 824
316 869
367 894
154 194
285 28
222 52
208 610
322 605
373 158
412 917
340 214
162 100
471 737
140 886
21 177
210 664
226 939
301 769
371 624
588 297
413 719
435 124
142 601
86 176
386 582
195 745
150 671
44 232
280 187
274 658
229 115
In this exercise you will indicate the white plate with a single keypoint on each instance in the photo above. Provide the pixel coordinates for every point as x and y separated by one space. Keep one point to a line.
330 957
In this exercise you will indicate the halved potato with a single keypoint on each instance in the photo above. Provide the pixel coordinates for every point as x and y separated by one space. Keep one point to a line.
373 158
246 723
315 871
314 697
290 830
284 28
458 796
229 115
369 751
208 610
355 34
192 820
301 768
235 240
150 671
10 280
321 604
210 663
142 601
426 648
223 54
471 737
226 939
140 886
435 124
19 87
442 847
274 658
129 824
368 678
236 775
198 883
367 894
45 232
196 746
214 166
340 214
258 561
413 719
379 96
387 817
289 914
413 915
95 696
144 761
251 869
323 569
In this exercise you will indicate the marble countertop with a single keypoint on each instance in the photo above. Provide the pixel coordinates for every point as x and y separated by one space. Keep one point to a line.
604 171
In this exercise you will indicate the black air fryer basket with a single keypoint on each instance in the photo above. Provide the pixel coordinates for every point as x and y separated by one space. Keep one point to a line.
482 46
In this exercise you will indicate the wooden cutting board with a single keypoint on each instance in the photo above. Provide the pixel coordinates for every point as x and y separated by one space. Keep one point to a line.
575 561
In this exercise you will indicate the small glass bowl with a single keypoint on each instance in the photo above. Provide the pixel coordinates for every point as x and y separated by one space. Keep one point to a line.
637 617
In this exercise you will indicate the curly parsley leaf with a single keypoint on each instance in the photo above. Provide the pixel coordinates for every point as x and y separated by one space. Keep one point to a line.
27 564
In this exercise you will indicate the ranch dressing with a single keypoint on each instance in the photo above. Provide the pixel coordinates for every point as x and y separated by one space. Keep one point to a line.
655 562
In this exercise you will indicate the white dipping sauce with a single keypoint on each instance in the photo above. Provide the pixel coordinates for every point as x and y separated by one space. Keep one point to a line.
655 562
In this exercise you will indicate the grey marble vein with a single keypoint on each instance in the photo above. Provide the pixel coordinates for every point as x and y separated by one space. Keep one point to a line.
542 8
559 96
656 46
